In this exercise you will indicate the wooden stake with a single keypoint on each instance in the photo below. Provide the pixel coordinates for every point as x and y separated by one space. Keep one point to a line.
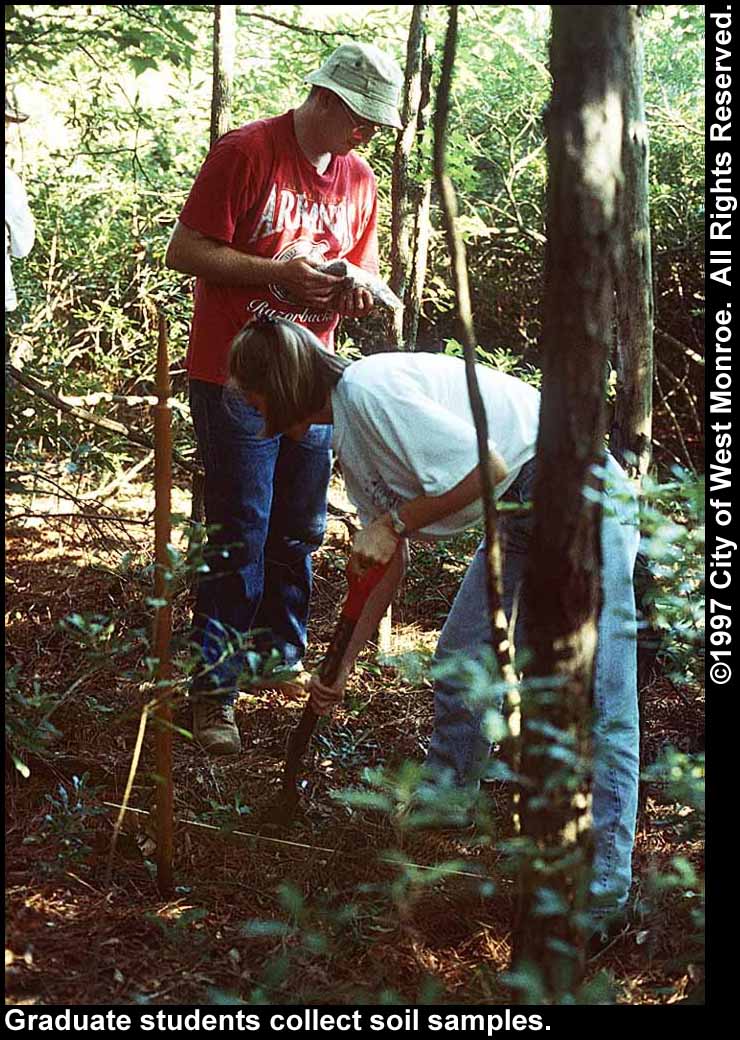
163 612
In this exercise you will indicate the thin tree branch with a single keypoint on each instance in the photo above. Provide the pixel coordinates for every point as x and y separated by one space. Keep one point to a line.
108 489
676 426
135 437
499 624
123 520
671 341
682 384
304 30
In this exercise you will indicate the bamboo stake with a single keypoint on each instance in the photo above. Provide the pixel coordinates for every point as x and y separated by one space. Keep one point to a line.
163 615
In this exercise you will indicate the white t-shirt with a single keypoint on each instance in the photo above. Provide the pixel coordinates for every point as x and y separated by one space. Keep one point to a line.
19 230
403 427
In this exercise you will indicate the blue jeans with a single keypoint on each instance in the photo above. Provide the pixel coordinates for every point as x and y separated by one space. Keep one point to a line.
459 749
267 496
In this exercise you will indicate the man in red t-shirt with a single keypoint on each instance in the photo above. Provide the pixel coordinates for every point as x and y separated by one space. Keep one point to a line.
274 201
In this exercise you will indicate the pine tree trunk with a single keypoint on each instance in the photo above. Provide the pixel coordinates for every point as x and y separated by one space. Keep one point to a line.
588 53
406 256
410 190
632 421
224 41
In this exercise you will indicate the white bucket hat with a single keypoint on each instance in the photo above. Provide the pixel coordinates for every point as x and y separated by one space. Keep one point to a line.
366 78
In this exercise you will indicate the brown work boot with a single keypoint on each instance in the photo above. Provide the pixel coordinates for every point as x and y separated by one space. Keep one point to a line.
214 727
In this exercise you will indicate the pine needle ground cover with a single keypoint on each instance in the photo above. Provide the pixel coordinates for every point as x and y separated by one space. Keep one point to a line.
325 917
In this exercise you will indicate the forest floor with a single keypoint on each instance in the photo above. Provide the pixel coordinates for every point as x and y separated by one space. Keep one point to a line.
321 917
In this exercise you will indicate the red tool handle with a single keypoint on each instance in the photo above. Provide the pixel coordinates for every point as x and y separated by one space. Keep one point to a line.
358 591
359 588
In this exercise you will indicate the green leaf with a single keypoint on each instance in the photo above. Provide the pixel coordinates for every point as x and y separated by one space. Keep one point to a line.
265 930
21 767
364 799
291 899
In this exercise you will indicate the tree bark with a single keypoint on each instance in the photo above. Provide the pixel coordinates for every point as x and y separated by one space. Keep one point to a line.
589 53
632 421
224 40
408 260
410 189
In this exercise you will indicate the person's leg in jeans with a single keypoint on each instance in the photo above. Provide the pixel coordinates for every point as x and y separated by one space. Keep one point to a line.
241 469
616 738
616 726
457 745
296 530
458 751
238 467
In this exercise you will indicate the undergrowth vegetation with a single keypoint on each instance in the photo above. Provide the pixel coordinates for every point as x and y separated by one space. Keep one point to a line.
362 907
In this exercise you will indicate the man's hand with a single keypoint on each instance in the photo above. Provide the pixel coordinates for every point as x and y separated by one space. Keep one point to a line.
355 303
372 545
324 699
308 285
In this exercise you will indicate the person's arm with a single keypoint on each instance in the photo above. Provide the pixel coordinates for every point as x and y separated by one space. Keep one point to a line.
191 252
376 543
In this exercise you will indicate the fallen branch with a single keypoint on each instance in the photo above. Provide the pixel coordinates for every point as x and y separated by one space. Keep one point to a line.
253 836
133 436
99 397
114 485
76 516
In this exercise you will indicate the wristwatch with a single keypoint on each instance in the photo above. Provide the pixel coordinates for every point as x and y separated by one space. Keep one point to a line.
397 523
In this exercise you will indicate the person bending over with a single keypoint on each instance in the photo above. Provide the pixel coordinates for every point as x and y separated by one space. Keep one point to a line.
404 434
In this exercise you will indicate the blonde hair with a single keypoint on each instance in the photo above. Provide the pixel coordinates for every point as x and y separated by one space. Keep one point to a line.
287 365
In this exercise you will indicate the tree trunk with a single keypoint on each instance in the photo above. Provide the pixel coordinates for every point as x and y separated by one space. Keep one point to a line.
630 438
410 189
632 421
417 277
224 39
588 52
408 260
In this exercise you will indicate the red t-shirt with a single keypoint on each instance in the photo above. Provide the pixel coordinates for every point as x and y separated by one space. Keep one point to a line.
258 192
